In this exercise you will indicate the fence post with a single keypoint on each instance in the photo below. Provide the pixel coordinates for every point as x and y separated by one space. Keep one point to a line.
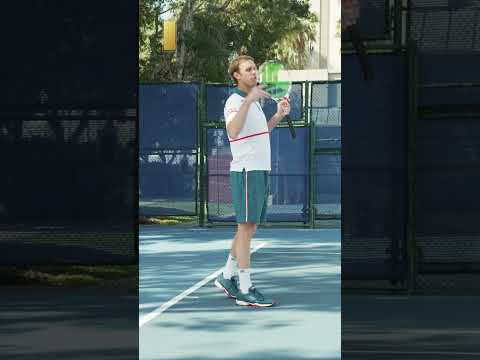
397 25
412 122
311 157
201 151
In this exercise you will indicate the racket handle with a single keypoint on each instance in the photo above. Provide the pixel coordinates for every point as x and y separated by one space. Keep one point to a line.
290 127
289 121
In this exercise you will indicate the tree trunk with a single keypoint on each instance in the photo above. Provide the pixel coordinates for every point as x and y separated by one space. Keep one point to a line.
185 25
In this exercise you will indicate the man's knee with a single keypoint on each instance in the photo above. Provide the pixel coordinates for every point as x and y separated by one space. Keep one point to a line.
243 228
249 228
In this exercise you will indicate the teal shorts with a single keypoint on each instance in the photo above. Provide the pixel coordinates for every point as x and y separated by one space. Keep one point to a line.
250 190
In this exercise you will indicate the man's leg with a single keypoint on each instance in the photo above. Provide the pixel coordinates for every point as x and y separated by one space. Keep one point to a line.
247 295
243 242
241 246
233 250
231 268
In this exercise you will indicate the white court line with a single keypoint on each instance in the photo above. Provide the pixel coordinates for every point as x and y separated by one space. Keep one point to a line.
165 306
387 352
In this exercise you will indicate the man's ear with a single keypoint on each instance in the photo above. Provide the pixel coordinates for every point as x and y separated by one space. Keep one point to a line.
236 77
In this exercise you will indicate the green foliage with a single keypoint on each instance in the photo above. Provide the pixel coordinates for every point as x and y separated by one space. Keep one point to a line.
153 62
221 29
208 50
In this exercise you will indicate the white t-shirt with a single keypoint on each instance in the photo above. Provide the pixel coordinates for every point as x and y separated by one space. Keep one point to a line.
251 149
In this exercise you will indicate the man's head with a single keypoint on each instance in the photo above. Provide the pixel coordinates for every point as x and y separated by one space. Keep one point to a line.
242 69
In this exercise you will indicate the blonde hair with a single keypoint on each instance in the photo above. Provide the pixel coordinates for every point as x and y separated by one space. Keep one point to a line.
235 65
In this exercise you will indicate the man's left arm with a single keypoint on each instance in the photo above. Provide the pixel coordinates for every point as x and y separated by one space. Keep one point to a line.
274 121
283 109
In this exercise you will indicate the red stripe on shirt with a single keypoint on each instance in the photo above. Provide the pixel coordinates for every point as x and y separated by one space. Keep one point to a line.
249 136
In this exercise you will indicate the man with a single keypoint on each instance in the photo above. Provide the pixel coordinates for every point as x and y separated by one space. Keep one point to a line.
249 135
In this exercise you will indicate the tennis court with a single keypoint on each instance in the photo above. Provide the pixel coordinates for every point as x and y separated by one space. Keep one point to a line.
184 170
410 327
95 323
300 267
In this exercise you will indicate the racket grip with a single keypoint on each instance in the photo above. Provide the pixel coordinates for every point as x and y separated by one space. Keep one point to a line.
291 128
289 121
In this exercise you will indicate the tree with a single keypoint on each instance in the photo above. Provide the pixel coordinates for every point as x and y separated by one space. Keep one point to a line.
211 32
154 64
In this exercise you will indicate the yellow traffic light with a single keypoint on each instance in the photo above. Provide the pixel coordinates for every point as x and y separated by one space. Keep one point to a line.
169 35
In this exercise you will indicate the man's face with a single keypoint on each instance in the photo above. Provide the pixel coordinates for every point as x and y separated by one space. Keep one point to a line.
247 73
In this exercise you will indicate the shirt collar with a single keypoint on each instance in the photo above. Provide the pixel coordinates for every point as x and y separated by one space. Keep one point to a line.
239 92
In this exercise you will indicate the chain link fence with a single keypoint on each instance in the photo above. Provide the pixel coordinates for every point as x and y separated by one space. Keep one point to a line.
185 156
326 113
411 155
168 141
65 196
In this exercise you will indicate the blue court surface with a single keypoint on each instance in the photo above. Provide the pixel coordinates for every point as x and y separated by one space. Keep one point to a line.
81 323
391 327
183 316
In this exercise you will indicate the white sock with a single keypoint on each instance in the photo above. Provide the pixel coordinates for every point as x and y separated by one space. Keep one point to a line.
245 281
230 267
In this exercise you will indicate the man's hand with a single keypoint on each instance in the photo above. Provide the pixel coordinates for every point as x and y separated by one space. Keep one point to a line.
283 108
257 93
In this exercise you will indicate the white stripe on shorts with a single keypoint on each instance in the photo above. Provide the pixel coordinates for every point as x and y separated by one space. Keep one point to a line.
246 196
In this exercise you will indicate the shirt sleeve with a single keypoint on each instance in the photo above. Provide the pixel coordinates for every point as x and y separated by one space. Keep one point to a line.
232 105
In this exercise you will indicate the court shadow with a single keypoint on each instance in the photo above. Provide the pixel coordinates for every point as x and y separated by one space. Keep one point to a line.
82 324
435 324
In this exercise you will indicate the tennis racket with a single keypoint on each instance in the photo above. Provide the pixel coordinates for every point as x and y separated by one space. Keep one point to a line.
274 76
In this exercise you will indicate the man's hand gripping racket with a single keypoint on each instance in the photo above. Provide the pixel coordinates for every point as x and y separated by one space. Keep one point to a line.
283 107
274 77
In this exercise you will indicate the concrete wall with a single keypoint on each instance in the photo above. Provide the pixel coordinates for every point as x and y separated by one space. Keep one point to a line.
325 58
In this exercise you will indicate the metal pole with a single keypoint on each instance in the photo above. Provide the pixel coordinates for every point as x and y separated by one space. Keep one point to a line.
311 158
412 122
201 162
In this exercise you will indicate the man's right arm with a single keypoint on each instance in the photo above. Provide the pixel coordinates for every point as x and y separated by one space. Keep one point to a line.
236 124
